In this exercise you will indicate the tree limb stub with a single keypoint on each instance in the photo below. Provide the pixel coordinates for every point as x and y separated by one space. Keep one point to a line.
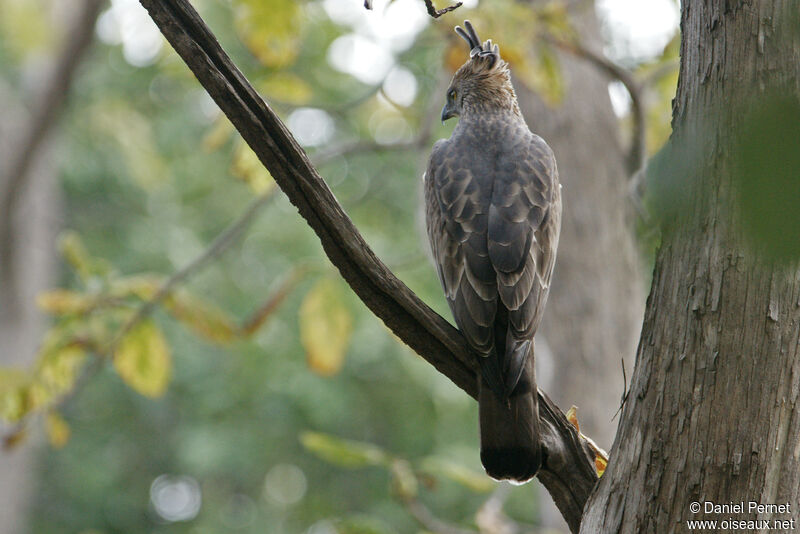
436 13
568 472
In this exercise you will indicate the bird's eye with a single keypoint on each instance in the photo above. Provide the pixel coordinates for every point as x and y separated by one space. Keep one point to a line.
451 94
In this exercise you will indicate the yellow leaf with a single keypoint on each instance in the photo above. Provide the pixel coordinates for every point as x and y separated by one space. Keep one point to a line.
142 286
218 135
202 317
600 456
325 327
270 29
75 253
247 167
286 87
572 417
58 431
143 360
64 301
24 29
13 383
56 373
600 464
343 452
35 397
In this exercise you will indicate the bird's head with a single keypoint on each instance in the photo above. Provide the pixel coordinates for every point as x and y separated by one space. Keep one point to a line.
482 83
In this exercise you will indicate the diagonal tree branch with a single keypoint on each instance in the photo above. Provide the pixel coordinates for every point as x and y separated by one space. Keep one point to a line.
568 471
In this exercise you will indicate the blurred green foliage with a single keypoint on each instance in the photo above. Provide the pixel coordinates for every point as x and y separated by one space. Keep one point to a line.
766 174
256 381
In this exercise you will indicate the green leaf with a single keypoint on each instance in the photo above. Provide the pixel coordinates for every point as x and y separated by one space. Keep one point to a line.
473 480
287 88
56 373
64 302
57 430
344 453
218 134
143 286
12 393
24 29
325 327
766 174
143 359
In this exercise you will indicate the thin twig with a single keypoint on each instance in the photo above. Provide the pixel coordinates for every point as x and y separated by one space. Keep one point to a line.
216 248
436 13
257 318
624 389
432 11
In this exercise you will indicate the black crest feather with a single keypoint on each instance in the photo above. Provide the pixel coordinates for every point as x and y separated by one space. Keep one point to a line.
487 51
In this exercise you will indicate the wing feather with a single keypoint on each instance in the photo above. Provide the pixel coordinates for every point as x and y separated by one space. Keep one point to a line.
493 225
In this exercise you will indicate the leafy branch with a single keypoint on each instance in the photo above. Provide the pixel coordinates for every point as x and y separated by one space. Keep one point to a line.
221 243
569 471
57 388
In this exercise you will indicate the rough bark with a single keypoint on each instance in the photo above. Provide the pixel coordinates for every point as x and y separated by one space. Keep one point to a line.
568 471
713 408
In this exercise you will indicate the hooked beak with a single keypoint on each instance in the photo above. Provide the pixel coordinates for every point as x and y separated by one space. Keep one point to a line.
448 112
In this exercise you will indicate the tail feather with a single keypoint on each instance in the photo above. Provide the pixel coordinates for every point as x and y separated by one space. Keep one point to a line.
509 426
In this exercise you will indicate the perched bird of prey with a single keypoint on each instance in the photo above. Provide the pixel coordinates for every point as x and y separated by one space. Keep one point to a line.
493 210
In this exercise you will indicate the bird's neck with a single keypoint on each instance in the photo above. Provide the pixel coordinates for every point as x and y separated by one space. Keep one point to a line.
487 117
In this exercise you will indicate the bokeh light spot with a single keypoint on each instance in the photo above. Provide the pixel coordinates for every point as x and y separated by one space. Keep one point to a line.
285 484
176 498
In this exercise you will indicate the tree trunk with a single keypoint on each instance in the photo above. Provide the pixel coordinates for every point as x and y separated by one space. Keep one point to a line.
712 412
21 323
